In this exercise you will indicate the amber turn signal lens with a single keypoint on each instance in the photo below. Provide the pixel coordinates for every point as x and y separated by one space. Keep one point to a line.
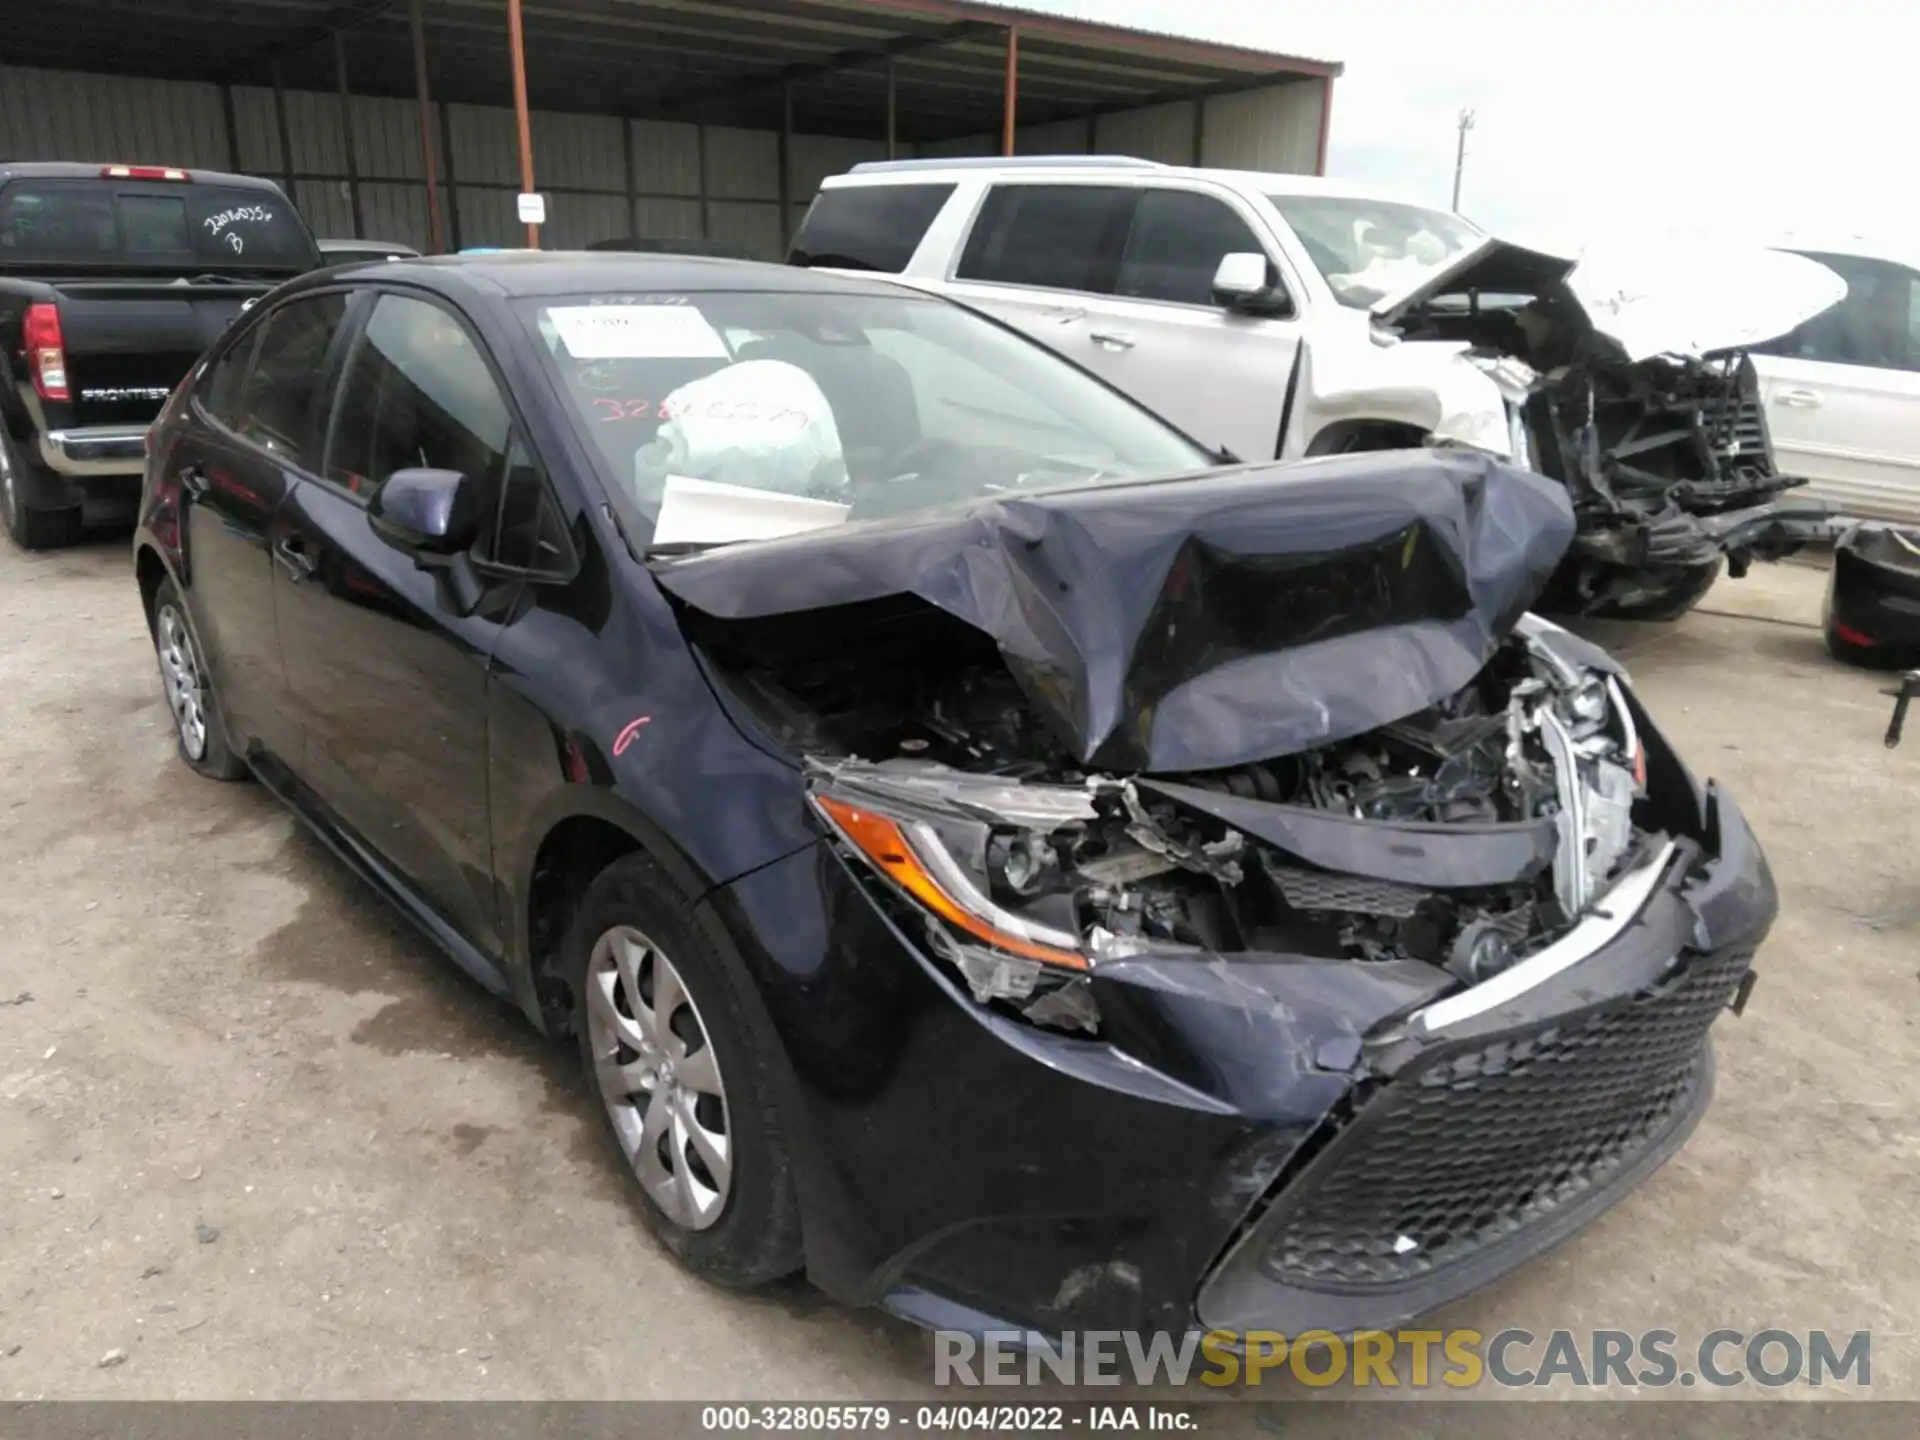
880 841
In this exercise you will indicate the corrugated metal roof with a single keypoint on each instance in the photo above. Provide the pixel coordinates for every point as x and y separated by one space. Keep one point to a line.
722 61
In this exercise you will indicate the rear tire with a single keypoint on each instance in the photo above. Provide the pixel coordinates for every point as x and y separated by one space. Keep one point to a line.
682 1086
31 529
197 728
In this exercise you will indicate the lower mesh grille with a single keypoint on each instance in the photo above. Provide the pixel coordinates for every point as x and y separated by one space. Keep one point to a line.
1477 1144
1327 890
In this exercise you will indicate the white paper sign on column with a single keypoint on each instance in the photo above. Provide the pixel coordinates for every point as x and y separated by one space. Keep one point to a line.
533 209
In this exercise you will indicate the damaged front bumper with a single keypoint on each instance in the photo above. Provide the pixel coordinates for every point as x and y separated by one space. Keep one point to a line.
1767 531
1492 1124
1659 567
1260 1141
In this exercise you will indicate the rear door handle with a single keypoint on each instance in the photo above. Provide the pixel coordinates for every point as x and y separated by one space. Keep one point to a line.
194 481
1801 399
292 553
1111 339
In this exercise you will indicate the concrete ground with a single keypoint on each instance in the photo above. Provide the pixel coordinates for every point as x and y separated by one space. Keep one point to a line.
258 1138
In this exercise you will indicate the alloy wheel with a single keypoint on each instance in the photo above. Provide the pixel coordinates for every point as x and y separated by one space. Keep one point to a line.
659 1078
180 674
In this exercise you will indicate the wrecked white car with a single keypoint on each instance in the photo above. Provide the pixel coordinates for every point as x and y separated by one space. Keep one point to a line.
1627 379
1282 316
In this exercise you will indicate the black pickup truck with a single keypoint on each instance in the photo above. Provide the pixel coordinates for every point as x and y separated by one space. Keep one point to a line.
113 279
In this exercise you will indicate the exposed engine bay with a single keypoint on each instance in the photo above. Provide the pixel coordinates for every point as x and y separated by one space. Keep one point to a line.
1030 869
1296 711
1666 455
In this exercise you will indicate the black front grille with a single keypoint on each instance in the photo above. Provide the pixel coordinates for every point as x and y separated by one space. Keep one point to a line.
1476 1145
1736 429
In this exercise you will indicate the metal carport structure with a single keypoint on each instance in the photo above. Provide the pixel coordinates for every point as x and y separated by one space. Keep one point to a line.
667 119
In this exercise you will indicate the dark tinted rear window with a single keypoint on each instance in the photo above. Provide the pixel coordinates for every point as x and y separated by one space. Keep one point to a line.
277 402
868 227
161 223
1065 237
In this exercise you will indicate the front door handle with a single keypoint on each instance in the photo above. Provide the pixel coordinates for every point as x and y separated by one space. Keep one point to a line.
1801 399
1111 339
292 553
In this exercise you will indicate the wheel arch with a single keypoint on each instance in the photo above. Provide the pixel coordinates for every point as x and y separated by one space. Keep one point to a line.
1342 437
588 831
151 572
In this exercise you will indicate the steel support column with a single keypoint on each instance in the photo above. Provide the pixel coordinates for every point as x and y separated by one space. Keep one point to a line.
286 134
626 161
786 167
700 177
346 133
517 44
233 128
1326 123
1012 97
453 183
893 126
436 237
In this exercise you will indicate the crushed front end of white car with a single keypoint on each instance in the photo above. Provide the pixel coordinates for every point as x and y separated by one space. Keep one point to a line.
1628 381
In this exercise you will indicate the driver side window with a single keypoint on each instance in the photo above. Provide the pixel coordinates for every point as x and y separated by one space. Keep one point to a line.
417 394
1175 246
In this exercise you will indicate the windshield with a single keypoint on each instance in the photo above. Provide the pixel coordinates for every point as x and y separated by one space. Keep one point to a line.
1370 249
741 416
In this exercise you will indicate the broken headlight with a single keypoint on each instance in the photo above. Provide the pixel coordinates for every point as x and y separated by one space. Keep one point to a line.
980 858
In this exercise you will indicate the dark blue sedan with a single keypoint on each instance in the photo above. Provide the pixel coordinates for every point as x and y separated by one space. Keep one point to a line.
988 850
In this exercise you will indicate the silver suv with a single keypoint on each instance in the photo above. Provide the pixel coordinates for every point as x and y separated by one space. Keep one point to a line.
1283 316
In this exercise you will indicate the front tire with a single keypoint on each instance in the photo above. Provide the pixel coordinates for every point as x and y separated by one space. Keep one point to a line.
201 736
31 529
683 1087
1601 590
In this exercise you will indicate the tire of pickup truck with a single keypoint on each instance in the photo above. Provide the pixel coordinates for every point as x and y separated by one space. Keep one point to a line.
197 726
30 528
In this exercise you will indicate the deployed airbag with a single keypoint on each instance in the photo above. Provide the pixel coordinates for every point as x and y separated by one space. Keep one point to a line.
1189 624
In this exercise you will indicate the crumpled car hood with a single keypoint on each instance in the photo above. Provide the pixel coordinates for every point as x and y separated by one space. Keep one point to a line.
1189 624
1649 301
1493 267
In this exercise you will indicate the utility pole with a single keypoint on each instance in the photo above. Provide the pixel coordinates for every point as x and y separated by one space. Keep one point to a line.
1460 154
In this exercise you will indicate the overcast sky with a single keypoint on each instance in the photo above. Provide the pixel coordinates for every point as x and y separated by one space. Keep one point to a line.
1684 115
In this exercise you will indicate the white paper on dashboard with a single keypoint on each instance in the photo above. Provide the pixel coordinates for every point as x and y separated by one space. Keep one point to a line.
703 512
637 332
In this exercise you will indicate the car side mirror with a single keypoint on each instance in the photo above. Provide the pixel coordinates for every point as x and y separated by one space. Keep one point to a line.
1249 283
430 514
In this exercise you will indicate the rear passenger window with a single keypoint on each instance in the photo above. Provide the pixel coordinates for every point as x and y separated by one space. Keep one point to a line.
1876 326
1176 243
277 403
867 227
219 392
1063 237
